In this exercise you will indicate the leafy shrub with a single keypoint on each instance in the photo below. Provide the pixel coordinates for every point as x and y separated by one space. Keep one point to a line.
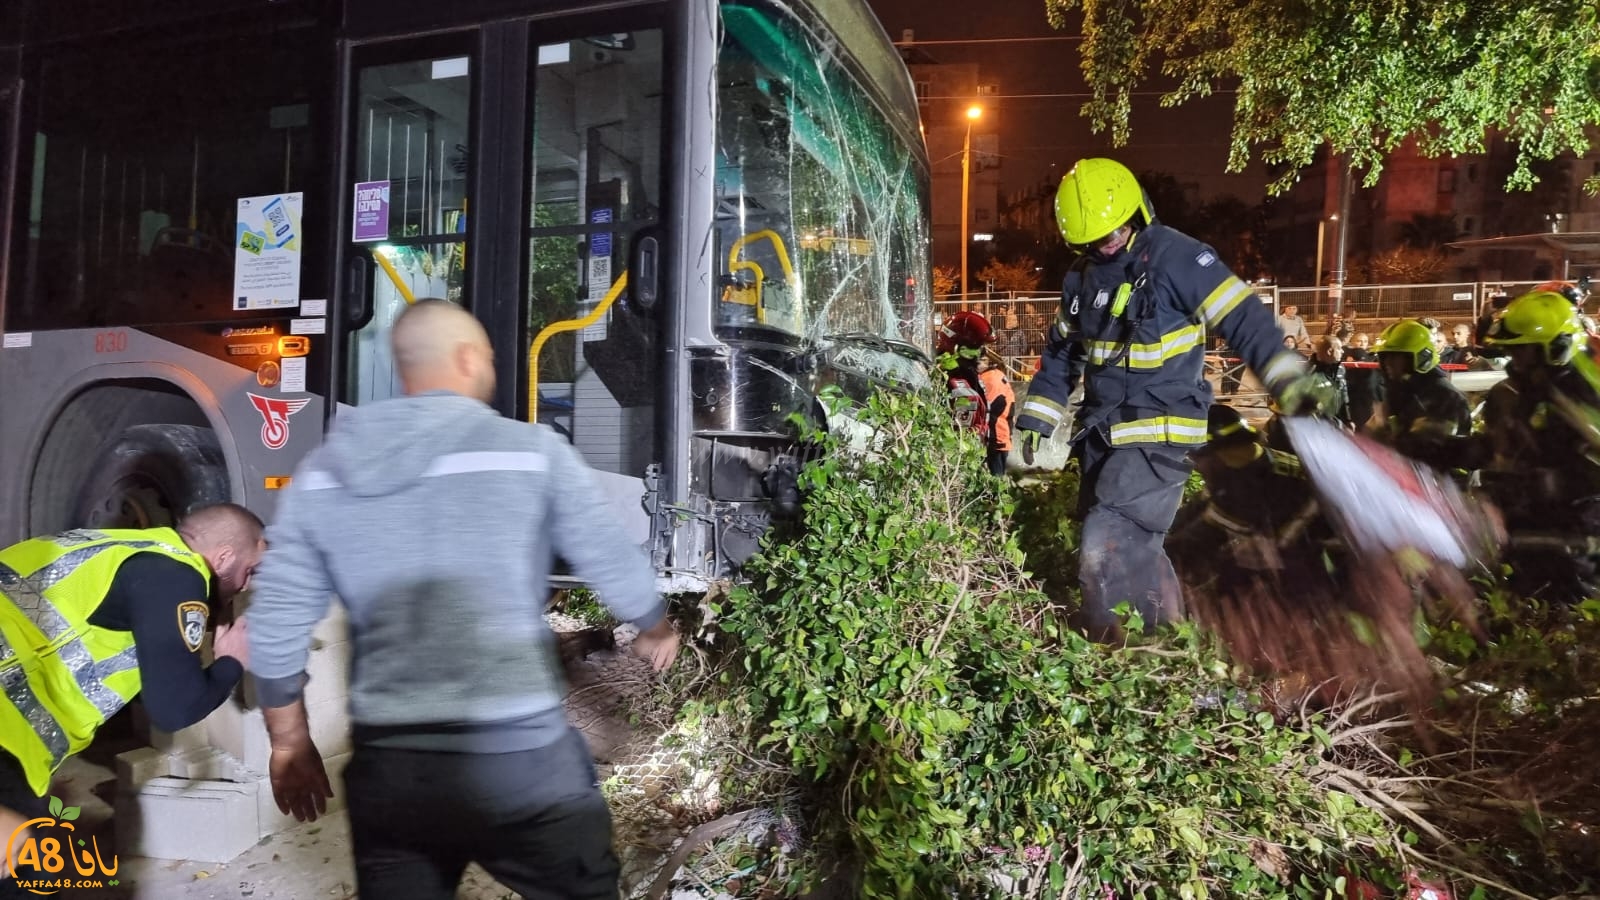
958 740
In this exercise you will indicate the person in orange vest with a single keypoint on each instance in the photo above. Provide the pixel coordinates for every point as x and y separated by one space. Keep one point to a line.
1001 402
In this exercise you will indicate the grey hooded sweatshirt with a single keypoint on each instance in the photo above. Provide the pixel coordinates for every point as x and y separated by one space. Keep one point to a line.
435 520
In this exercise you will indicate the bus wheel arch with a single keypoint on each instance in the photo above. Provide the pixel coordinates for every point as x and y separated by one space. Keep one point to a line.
130 452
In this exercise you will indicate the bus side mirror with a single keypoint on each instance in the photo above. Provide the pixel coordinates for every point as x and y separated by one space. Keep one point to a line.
644 272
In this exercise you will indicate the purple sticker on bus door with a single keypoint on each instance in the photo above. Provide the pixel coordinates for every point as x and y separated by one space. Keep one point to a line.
372 211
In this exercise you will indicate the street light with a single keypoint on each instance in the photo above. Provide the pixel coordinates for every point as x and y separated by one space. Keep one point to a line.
974 112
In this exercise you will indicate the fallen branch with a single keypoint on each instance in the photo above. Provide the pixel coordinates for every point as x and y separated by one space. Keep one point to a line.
703 834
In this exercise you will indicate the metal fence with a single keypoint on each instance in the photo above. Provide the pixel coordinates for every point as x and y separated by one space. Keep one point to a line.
1020 320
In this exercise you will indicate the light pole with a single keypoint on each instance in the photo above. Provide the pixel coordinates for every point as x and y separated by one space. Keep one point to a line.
973 113
1322 225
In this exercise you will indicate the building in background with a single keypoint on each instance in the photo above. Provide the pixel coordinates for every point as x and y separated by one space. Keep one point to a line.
1428 203
944 93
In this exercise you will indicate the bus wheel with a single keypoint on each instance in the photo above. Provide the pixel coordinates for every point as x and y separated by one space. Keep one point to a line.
151 476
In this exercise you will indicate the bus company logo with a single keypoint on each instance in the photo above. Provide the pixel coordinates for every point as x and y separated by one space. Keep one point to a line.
46 855
275 413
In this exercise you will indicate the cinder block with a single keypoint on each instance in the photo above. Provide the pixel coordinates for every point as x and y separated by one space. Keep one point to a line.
225 728
330 726
137 767
210 764
191 738
329 668
170 818
270 821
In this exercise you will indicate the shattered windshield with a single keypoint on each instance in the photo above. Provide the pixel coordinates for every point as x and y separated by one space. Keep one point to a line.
819 224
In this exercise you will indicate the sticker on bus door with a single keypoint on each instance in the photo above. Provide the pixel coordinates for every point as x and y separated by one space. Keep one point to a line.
275 413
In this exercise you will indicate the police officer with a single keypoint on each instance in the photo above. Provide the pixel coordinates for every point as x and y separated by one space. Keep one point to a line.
91 619
1135 310
1543 465
1424 410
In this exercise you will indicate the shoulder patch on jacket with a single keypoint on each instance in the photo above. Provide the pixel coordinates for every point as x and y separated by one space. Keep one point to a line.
192 615
1206 258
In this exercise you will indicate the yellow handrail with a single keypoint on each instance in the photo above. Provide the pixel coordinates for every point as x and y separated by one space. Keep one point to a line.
777 242
555 328
394 276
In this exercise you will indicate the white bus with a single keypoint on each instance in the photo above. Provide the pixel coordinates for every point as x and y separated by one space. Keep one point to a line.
698 213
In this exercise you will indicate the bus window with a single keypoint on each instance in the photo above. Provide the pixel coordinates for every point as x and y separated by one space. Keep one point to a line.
596 171
819 230
409 187
136 175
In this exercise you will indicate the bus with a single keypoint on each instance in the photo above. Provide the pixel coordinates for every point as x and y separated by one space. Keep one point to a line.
678 220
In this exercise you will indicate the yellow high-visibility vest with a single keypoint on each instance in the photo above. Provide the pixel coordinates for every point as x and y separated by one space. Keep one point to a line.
62 677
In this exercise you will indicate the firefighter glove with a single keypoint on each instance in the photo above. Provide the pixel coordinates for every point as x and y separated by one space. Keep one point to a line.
1308 395
1030 443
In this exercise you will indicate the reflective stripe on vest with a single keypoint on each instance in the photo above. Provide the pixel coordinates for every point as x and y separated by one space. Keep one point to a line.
63 677
1172 345
1159 430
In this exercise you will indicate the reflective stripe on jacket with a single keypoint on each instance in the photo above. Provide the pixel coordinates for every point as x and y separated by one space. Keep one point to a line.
63 678
1134 329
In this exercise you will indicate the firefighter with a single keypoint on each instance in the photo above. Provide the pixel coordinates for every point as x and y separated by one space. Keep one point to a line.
1257 500
1423 410
960 345
1135 309
1001 407
91 619
1542 461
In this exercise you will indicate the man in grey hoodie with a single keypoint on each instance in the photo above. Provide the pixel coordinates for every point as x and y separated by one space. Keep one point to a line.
435 520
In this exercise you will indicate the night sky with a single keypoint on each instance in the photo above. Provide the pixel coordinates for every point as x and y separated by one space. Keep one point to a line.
1190 142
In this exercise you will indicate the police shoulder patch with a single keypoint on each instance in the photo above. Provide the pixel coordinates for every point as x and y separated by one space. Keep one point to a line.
1206 258
192 615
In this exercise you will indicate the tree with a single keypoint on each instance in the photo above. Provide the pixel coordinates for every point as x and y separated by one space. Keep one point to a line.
1359 77
1234 228
1021 275
944 280
1406 264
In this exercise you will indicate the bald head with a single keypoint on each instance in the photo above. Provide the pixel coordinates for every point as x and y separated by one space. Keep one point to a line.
439 346
231 540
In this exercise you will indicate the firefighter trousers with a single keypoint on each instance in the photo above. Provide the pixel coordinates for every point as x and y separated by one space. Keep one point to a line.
1128 497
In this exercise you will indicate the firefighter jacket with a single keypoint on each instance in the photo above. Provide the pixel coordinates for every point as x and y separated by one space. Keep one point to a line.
1134 330
1543 468
63 677
1427 402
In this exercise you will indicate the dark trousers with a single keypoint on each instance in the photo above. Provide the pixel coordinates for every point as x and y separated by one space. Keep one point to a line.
535 820
1128 497
17 796
996 461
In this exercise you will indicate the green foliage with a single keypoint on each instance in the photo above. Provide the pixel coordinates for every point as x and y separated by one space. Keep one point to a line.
957 740
1363 77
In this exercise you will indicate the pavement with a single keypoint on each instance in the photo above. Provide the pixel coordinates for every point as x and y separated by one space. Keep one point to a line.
311 861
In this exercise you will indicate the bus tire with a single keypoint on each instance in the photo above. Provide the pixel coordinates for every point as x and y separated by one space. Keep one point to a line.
151 476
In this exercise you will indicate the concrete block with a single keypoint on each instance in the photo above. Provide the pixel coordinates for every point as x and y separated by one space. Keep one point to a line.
192 738
270 821
137 767
170 818
257 750
210 764
330 726
225 728
329 668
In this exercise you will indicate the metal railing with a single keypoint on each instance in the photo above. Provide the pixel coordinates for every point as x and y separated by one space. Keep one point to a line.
1021 319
